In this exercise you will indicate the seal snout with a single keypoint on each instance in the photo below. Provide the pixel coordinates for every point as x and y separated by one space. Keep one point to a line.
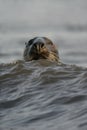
38 46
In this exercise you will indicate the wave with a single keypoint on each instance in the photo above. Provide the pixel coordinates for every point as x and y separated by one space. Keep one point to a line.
40 91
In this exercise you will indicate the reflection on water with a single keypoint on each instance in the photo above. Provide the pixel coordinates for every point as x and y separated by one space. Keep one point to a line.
42 95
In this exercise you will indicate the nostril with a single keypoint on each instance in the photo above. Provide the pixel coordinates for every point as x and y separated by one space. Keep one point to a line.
42 45
35 46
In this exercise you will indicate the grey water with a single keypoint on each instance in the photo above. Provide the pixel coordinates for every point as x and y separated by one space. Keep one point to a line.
40 95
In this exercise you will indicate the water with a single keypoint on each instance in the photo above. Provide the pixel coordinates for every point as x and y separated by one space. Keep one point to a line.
40 95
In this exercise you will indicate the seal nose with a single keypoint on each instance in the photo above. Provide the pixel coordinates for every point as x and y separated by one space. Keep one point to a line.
38 46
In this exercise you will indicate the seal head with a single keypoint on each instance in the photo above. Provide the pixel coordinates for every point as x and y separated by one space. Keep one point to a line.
40 48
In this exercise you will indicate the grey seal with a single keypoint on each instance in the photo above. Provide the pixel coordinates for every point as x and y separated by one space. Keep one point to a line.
41 48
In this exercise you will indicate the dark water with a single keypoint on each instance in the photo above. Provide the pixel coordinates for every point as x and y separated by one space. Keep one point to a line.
41 95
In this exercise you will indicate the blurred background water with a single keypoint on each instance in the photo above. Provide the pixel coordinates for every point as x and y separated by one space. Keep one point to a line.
41 95
63 21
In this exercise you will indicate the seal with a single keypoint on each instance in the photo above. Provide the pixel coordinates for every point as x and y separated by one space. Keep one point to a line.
40 48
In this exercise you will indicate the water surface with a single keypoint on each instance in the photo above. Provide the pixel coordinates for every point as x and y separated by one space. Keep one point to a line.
40 95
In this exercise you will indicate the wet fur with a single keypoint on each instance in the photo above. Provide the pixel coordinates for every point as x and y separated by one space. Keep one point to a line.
49 50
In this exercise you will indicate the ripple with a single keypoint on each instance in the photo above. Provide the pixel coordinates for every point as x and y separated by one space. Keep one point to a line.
39 91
